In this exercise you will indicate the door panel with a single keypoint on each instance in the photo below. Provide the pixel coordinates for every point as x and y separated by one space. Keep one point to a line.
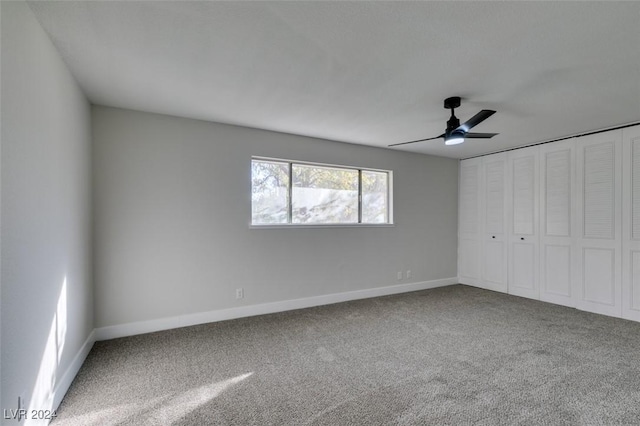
599 267
468 258
598 191
524 180
469 220
523 232
631 224
494 250
599 275
469 196
557 197
523 277
633 294
557 225
494 262
557 271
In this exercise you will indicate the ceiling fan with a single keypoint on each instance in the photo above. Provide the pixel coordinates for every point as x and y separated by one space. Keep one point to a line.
456 133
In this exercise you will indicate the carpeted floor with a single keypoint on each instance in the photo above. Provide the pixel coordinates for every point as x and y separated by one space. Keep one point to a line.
452 355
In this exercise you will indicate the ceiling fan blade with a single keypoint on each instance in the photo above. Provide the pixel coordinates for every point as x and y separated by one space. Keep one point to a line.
476 119
419 140
480 135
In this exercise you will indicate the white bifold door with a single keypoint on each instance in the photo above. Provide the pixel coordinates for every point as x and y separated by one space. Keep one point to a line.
469 222
523 225
598 284
631 224
557 222
494 244
482 256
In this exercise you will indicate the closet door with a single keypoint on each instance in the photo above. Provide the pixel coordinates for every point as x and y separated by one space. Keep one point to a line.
523 226
494 248
599 245
631 224
557 222
469 222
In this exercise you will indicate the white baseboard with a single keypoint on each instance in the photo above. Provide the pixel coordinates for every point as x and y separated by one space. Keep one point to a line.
63 384
141 327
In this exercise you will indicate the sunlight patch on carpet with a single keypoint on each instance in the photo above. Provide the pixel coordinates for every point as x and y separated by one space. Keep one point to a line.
163 410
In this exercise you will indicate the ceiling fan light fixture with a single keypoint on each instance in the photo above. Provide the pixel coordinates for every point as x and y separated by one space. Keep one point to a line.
454 138
456 133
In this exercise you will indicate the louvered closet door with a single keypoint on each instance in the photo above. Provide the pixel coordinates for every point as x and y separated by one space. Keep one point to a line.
523 226
557 224
599 245
631 224
494 250
469 221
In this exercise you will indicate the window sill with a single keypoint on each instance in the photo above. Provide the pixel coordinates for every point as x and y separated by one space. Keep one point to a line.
328 225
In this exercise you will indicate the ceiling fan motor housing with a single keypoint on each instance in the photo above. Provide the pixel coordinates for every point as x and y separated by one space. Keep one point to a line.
452 124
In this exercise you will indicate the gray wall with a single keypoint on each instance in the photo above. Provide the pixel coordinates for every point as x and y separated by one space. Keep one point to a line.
172 213
45 211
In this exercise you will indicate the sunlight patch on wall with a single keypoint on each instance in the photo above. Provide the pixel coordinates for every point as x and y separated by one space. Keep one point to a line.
43 390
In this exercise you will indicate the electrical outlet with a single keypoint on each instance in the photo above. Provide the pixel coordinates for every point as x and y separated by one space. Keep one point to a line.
399 275
239 293
408 274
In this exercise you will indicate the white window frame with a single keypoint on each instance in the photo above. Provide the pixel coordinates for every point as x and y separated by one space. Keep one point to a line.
387 224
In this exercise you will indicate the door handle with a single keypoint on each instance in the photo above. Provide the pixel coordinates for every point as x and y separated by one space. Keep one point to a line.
522 238
493 236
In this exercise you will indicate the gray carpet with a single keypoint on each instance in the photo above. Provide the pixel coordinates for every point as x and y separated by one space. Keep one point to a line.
453 355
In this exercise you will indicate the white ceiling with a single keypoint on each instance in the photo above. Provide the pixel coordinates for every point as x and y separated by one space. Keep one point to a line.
371 73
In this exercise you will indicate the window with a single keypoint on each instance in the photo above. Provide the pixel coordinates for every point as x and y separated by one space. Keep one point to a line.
295 193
